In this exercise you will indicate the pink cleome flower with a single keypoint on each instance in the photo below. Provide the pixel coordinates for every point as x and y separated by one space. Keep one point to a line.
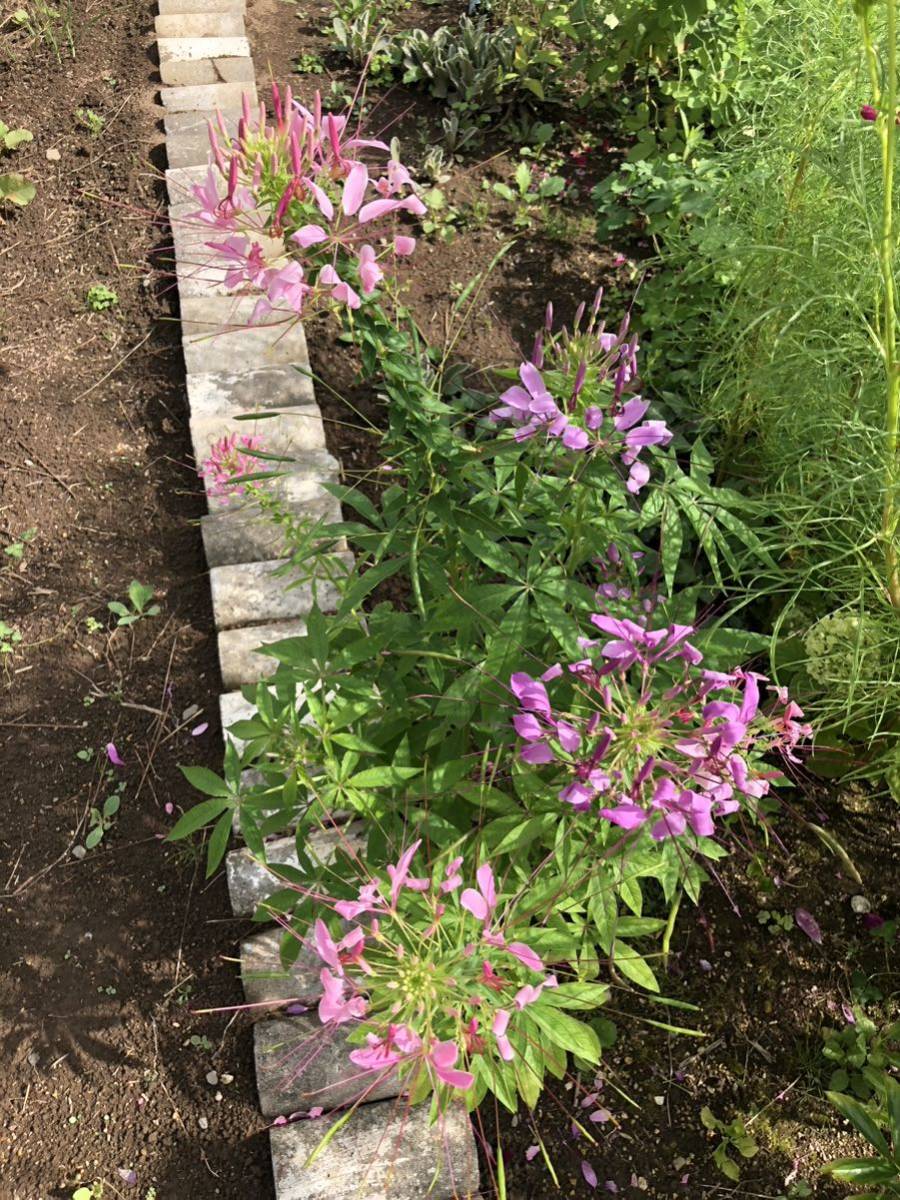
230 458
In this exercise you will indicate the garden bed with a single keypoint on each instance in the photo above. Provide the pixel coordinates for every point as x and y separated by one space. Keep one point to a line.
763 994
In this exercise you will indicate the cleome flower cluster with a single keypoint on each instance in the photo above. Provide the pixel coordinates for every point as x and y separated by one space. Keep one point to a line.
580 390
437 987
649 737
304 219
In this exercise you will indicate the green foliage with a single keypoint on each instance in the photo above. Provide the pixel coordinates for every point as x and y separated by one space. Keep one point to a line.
860 1053
363 41
404 708
139 597
763 331
99 298
529 193
10 637
14 187
93 122
734 1140
469 66
878 1175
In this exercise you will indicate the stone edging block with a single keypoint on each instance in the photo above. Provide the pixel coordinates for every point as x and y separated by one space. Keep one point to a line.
301 1063
386 1151
239 661
249 592
249 882
206 96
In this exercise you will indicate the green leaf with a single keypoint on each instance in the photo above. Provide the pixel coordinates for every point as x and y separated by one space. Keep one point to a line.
862 1170
201 814
139 594
94 837
218 843
16 189
490 553
633 966
206 781
111 805
861 1119
386 776
15 137
566 1032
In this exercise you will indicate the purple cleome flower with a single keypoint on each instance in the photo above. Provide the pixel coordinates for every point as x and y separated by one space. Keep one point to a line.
675 761
577 390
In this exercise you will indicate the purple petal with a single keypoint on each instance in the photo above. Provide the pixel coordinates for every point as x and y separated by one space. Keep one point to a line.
198 729
128 1177
531 1152
113 755
590 1175
808 923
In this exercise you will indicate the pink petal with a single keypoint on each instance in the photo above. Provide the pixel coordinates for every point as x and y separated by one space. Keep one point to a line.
354 189
590 1175
113 755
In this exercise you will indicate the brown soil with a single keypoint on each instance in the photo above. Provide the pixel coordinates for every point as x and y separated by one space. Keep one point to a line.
101 957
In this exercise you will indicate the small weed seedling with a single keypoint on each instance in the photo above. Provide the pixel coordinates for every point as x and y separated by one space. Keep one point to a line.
860 1053
91 121
530 195
139 594
775 922
309 64
734 1137
100 820
100 297
14 187
9 638
16 549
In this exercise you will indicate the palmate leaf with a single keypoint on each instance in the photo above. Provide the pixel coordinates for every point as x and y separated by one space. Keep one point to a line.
16 189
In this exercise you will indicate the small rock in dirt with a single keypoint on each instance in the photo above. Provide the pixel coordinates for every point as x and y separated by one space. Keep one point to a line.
218 1097
226 1078
34 1058
78 852
212 1077
203 1123
190 713
860 904
53 155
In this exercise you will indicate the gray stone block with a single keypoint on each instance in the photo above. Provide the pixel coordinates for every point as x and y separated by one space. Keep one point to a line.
275 387
386 1151
184 72
239 661
203 7
191 49
217 339
187 137
251 882
289 434
206 96
266 981
252 592
235 537
301 1064
201 25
